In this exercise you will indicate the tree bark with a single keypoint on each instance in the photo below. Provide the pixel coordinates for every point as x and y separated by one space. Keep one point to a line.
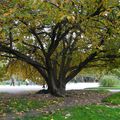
56 87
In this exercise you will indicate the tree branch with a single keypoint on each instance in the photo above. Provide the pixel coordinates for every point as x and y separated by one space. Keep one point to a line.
30 45
7 56
11 38
98 10
85 62
80 66
24 58
55 43
39 41
31 30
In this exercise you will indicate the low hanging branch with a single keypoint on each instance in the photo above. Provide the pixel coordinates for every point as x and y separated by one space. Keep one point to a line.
23 57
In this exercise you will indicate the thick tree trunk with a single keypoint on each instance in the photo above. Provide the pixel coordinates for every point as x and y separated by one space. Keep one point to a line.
56 87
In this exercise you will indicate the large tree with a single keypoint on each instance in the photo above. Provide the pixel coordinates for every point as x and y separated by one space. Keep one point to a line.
60 38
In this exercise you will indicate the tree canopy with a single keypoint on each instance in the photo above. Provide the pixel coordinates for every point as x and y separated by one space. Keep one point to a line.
59 38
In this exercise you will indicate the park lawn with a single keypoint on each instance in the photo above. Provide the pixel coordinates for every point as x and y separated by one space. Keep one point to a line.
104 88
89 112
21 105
113 99
25 104
115 87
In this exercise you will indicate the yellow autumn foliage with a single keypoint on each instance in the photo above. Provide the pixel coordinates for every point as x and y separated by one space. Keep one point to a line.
24 71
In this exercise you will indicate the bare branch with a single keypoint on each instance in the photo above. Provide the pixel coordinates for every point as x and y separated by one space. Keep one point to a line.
55 43
11 38
30 45
7 56
31 30
39 41
40 33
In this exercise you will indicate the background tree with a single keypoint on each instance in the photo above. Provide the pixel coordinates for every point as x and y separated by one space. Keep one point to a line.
60 39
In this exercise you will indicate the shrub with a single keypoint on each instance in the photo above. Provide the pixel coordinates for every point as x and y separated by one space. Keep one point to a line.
109 81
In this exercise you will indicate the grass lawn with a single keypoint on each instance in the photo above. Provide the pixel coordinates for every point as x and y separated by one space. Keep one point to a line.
19 105
91 112
88 112
104 88
26 105
116 87
113 99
